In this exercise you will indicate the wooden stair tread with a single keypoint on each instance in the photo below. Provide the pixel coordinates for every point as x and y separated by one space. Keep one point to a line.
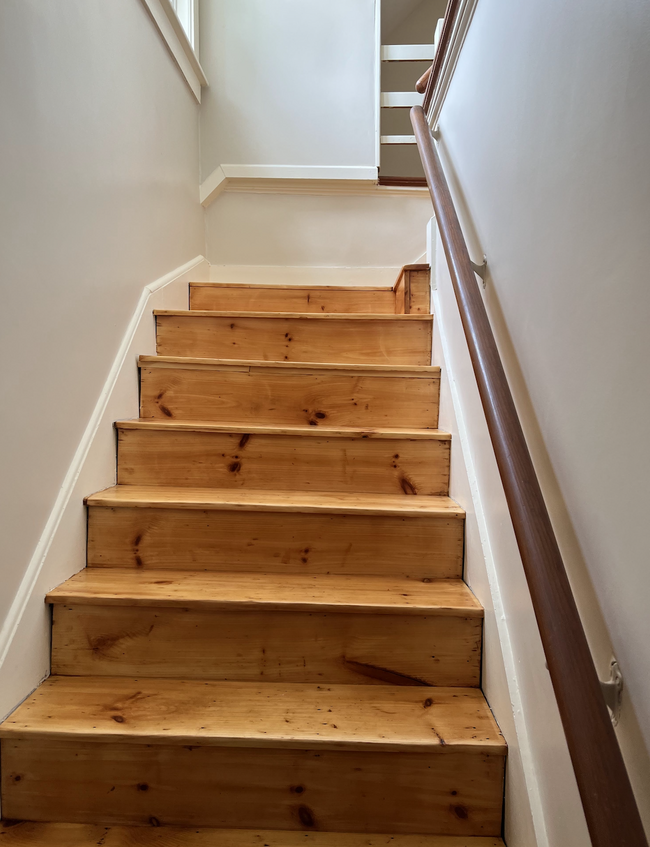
310 431
234 714
291 592
311 316
245 365
177 497
28 834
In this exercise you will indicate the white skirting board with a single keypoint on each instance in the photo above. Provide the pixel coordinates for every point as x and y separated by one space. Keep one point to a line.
542 797
61 549
297 179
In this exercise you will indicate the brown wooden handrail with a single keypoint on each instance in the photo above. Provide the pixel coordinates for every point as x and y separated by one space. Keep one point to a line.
441 51
607 797
421 84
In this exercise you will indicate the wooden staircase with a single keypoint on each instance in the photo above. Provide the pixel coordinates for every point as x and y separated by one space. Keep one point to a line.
272 643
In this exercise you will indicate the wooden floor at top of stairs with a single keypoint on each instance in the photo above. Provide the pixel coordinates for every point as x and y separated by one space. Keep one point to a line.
27 834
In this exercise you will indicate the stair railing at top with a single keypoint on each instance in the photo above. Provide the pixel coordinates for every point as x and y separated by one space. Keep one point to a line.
608 800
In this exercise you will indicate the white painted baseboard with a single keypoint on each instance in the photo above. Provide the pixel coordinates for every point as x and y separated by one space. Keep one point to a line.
290 179
61 549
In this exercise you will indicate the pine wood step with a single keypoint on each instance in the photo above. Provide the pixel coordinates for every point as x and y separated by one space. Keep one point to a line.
291 298
283 531
296 337
266 627
27 834
326 757
270 591
206 454
235 714
291 394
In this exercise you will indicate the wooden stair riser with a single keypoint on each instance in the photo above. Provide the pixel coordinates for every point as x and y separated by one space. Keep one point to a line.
413 291
295 339
286 398
273 646
268 298
280 542
214 459
446 792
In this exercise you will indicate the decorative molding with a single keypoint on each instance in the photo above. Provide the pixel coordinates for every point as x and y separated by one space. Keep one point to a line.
463 21
60 551
299 179
163 15
212 186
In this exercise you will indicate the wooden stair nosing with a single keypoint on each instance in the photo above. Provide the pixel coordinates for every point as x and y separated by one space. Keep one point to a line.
173 497
34 834
343 594
290 287
404 371
298 286
319 431
310 316
265 715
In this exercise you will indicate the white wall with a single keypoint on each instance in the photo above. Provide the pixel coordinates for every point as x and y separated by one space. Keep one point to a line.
544 135
291 83
99 173
379 229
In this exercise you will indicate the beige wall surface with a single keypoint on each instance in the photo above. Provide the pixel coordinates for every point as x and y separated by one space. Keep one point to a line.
291 83
99 173
372 230
544 135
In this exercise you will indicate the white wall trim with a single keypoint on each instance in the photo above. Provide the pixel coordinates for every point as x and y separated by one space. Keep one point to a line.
212 186
378 58
463 21
298 179
163 15
49 566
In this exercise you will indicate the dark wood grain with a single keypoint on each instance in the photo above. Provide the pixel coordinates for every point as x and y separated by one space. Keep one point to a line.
610 808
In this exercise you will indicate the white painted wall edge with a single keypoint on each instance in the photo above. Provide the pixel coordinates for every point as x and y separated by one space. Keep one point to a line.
378 59
463 21
300 179
163 15
303 275
60 551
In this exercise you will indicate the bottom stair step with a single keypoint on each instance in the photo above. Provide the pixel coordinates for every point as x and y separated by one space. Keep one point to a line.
273 756
26 834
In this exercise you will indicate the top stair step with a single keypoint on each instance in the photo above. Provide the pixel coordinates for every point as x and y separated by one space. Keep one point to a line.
292 298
